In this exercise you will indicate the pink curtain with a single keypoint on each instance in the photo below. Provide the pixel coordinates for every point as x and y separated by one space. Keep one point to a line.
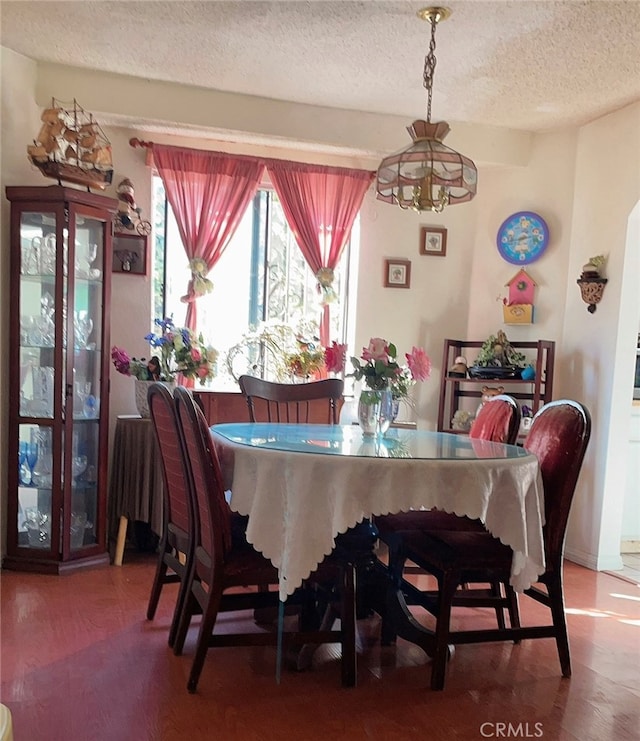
320 204
209 193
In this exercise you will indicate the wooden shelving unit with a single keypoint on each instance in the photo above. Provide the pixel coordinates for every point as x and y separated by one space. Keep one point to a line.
460 393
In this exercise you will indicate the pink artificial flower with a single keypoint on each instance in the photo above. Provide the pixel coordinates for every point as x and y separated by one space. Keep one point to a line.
196 355
419 364
203 371
378 350
334 357
121 360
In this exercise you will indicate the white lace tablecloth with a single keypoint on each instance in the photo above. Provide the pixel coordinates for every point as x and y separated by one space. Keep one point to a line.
298 501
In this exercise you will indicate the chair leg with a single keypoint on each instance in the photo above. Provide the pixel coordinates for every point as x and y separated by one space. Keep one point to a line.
496 591
202 646
158 582
189 609
512 607
556 603
348 627
178 610
446 590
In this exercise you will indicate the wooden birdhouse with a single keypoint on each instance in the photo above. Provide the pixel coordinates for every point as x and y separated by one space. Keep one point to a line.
518 308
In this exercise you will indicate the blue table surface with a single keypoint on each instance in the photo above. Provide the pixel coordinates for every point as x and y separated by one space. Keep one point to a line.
348 440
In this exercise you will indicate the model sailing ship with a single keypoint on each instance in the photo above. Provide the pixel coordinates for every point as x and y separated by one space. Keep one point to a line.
72 147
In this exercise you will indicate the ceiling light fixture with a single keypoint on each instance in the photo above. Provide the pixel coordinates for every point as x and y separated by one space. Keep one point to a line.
427 175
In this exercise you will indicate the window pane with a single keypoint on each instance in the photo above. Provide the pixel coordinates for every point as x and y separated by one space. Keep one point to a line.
261 259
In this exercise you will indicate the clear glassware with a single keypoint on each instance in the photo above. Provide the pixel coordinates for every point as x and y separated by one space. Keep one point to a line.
375 411
77 528
38 527
368 412
82 391
26 330
31 257
41 475
78 465
386 415
92 253
83 326
48 255
42 379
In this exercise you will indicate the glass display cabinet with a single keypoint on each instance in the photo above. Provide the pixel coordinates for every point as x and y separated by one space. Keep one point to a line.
60 267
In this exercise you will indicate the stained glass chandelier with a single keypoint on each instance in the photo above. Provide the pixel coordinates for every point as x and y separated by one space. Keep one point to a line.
427 175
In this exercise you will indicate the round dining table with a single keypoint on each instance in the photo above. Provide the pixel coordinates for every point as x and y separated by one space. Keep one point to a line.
301 486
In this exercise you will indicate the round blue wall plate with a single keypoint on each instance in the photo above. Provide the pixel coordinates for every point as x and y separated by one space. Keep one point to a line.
522 238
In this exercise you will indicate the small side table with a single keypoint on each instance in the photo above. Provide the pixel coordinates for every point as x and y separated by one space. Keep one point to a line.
135 484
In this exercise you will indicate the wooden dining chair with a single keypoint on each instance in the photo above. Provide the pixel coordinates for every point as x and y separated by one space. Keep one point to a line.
176 548
558 436
224 561
498 420
294 403
315 402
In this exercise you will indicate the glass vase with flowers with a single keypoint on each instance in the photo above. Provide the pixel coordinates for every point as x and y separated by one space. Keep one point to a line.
178 350
386 382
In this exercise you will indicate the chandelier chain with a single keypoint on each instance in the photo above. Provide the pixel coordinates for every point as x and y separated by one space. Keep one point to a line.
430 66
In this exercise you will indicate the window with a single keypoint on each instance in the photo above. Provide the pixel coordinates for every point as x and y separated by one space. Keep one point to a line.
262 277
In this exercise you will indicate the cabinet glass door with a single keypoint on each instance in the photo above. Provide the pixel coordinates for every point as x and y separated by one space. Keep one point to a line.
85 384
37 291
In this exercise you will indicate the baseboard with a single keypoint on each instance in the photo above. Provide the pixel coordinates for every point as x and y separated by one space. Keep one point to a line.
582 558
591 561
630 546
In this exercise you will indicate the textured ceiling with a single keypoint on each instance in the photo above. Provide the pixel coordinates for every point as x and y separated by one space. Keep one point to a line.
523 64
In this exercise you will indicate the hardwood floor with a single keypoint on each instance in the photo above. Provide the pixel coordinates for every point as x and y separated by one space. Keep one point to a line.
81 663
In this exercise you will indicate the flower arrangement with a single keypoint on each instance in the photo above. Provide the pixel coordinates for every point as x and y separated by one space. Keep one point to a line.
307 359
381 369
284 353
311 358
179 350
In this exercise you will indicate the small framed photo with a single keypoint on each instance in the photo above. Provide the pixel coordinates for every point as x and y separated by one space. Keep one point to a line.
397 273
130 254
433 241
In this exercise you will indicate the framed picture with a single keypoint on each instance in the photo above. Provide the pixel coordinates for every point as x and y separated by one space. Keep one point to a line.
433 241
130 254
397 273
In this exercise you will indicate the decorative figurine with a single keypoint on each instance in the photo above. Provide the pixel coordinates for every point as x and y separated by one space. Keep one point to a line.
128 216
459 368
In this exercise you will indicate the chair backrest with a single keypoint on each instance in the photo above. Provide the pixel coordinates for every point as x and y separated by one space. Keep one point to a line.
295 403
498 420
213 517
177 500
558 437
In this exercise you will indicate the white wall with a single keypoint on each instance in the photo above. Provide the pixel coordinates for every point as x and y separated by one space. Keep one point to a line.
454 296
546 187
19 115
436 305
598 349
